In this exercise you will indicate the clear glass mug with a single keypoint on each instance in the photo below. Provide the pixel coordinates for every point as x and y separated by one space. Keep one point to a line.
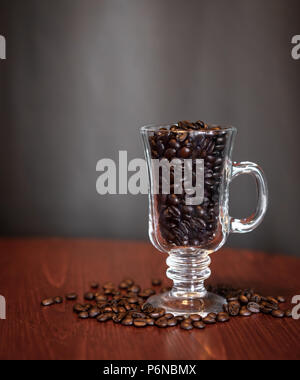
188 232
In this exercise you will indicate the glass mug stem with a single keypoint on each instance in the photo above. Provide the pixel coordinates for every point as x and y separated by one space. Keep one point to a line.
188 273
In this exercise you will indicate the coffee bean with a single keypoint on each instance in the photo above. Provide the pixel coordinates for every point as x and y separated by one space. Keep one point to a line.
233 308
134 289
272 301
289 313
58 299
281 299
157 313
243 299
179 318
253 307
104 317
168 316
71 296
266 310
172 322
78 308
161 322
123 285
212 315
140 323
256 298
157 281
89 296
185 325
278 313
147 308
94 285
94 312
127 321
209 320
83 315
117 318
195 317
244 312
199 325
47 302
101 298
223 317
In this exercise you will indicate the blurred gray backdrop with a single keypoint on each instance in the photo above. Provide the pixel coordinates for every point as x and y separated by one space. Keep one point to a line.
81 76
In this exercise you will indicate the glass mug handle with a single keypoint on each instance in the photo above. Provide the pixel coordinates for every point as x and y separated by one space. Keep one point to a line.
253 221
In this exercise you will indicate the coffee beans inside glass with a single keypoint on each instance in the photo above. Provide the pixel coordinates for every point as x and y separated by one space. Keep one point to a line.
190 169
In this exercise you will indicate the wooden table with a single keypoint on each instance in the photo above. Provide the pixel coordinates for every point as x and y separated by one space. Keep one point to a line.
33 269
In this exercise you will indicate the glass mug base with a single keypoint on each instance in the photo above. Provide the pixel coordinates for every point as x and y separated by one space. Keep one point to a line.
185 305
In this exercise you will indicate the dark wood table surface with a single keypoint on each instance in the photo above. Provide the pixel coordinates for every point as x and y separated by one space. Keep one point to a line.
31 269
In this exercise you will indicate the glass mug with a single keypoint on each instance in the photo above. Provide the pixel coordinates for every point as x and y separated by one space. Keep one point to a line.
189 232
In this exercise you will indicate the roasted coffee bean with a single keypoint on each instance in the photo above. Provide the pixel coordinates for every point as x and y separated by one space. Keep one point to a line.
123 285
278 313
256 298
289 313
94 312
209 320
117 318
272 301
89 296
127 321
168 316
266 310
157 281
71 296
134 289
104 317
108 285
147 308
132 300
243 299
212 315
107 309
195 317
179 318
234 308
161 322
223 317
172 322
78 308
157 313
94 285
140 323
253 307
281 299
186 325
150 321
58 299
199 325
101 298
137 314
83 315
244 312
47 302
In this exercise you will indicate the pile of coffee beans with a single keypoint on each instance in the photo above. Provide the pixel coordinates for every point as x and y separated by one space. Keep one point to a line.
126 304
181 224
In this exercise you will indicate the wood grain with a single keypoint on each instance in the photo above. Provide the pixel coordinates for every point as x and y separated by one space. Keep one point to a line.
31 269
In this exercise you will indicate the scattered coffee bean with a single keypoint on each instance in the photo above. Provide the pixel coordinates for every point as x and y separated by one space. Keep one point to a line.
243 299
89 296
199 325
244 312
281 299
195 317
254 307
186 325
104 317
161 322
94 312
58 299
71 296
140 323
223 317
289 313
156 282
209 320
234 308
127 321
47 302
83 315
278 313
172 322
94 285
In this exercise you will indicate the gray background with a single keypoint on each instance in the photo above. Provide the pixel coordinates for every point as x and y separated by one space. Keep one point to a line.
82 76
